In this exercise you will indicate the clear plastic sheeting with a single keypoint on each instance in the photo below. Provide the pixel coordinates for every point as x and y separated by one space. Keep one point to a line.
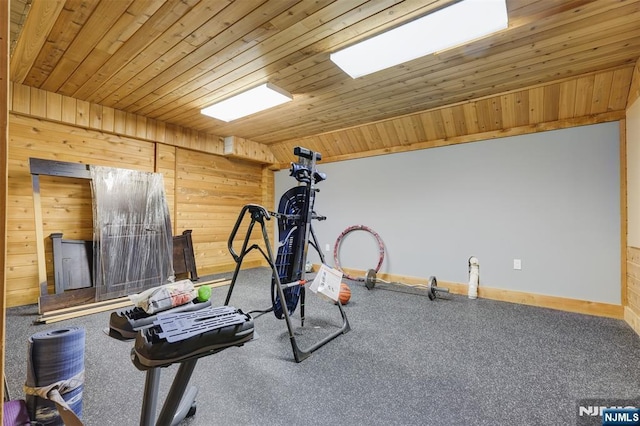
132 232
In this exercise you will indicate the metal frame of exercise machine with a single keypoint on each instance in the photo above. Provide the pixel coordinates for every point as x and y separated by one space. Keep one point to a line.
183 338
288 269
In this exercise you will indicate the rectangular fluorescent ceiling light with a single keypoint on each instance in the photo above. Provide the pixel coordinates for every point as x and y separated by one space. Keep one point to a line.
246 103
454 25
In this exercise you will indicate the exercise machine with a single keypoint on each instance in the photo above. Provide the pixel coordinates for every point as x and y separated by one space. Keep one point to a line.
182 337
295 214
179 335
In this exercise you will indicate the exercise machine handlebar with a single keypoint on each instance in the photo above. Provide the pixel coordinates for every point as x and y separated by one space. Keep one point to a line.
258 214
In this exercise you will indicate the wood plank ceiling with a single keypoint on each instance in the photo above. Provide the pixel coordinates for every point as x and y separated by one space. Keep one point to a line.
168 59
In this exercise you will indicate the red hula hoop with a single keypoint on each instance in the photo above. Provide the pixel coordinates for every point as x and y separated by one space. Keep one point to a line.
350 229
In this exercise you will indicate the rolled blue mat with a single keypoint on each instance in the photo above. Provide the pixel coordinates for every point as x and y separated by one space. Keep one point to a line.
55 356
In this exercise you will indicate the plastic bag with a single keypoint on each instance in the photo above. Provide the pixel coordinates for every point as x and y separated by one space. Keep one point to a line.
165 296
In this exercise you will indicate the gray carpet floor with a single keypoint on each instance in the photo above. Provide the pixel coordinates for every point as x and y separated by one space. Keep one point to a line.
406 361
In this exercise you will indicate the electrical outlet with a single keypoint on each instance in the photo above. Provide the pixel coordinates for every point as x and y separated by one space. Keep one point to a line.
327 247
517 264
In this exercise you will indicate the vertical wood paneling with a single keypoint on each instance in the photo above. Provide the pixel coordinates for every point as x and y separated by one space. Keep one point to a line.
54 106
536 105
623 212
4 146
131 122
438 124
82 113
141 127
401 132
619 89
160 130
584 94
551 103
21 99
108 119
522 105
459 121
38 103
634 90
632 309
602 89
567 96
95 116
449 123
415 123
509 114
69 110
120 122
596 97
488 118
427 125
471 117
44 104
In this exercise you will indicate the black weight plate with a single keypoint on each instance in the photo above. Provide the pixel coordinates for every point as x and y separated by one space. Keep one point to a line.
433 283
370 279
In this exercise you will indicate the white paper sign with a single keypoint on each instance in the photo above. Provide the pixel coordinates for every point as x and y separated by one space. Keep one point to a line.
327 282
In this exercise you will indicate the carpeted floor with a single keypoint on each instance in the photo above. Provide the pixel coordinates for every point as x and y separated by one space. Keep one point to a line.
406 361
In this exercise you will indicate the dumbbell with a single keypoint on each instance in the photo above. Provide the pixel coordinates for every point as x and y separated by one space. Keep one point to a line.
432 288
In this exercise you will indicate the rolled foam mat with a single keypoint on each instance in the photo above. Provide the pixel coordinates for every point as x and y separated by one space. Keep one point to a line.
55 356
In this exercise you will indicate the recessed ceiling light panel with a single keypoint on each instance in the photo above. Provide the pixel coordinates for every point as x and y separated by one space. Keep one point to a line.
246 103
454 25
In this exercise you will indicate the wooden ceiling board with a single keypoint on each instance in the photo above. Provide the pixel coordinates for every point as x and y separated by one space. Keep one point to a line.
17 14
291 41
407 99
173 45
164 60
170 103
129 22
40 20
97 26
197 70
65 29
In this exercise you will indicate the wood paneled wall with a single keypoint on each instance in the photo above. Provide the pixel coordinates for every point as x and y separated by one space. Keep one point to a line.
210 192
205 190
632 308
66 203
634 90
55 107
631 289
4 136
588 99
40 103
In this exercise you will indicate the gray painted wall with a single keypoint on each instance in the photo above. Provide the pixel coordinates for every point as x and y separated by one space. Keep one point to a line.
551 199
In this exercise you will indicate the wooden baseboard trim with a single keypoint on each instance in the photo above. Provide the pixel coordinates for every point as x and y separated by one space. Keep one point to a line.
632 318
554 302
540 300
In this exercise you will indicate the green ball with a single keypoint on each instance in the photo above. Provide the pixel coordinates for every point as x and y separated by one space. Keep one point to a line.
204 293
